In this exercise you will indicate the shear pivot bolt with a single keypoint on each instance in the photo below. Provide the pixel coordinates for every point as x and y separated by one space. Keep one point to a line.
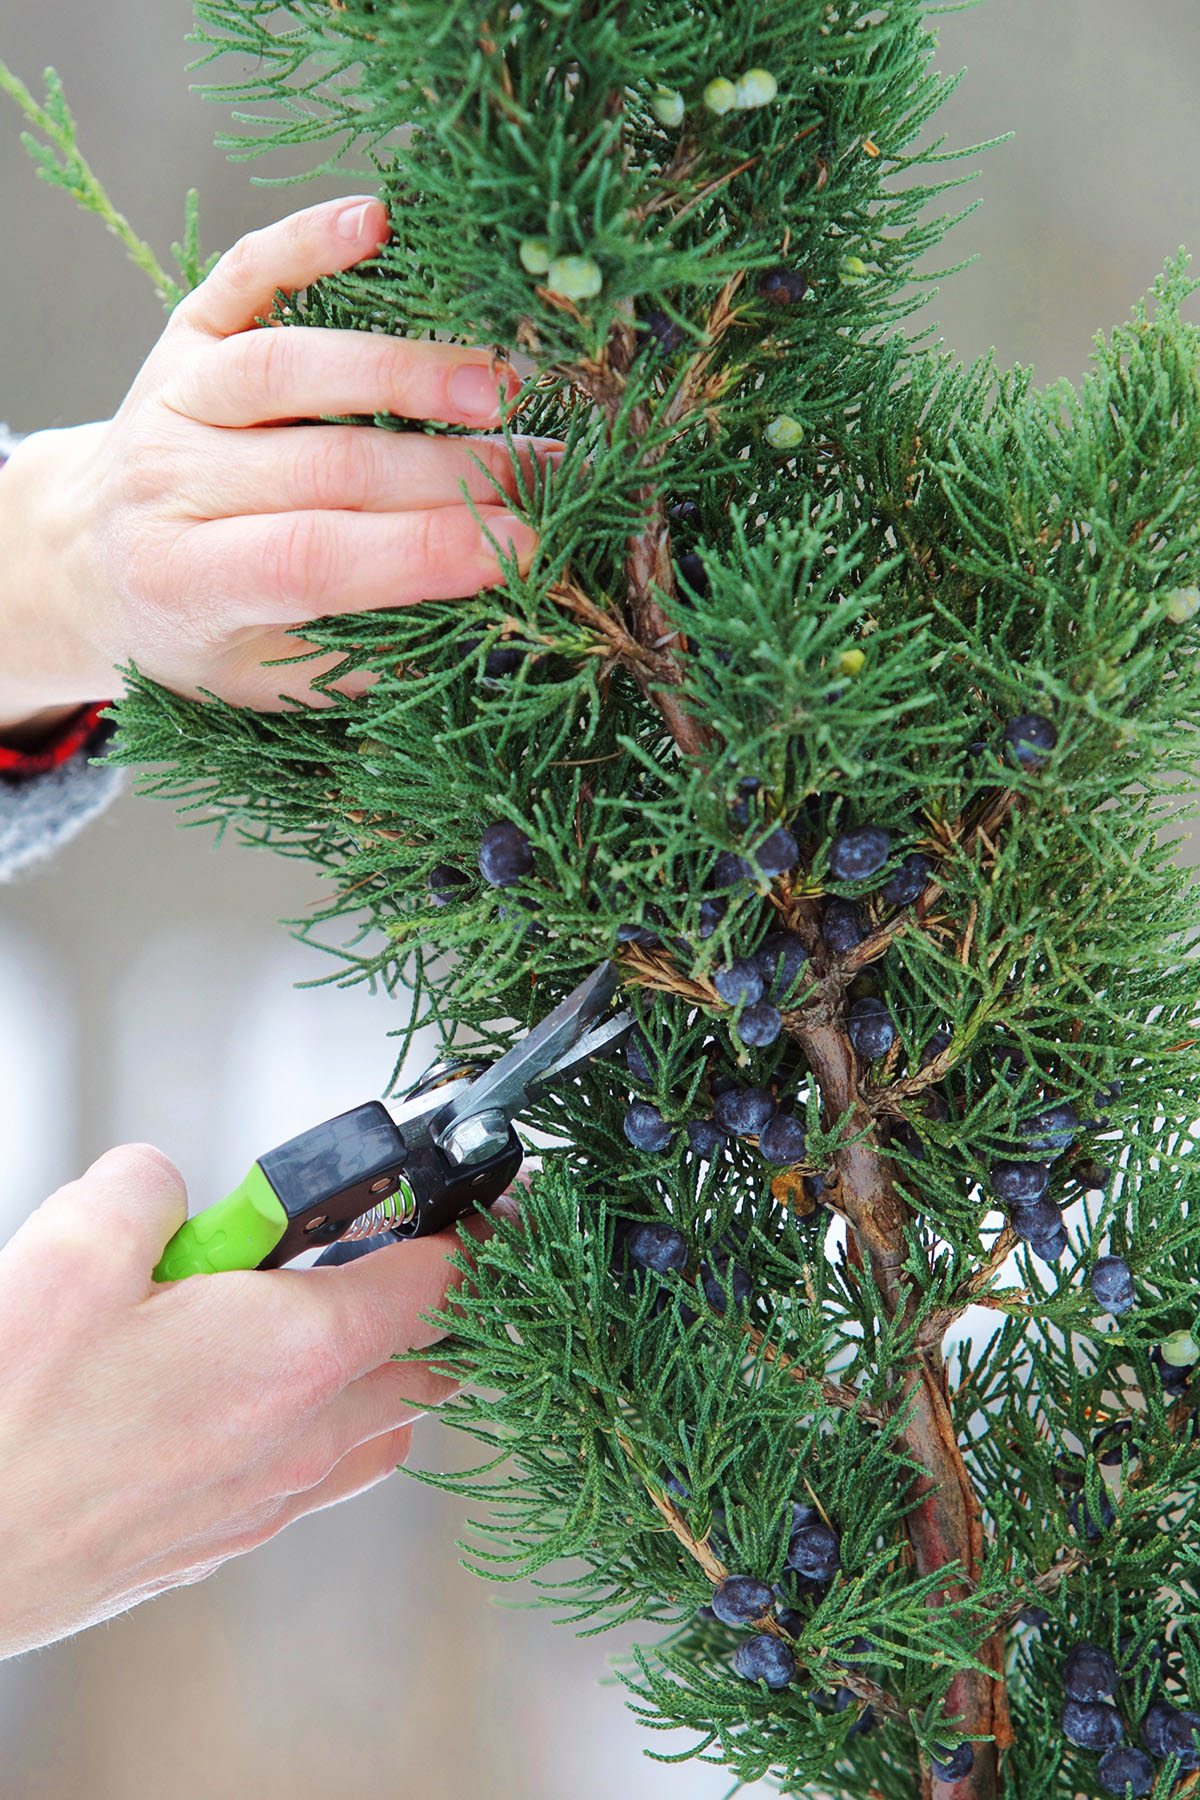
474 1139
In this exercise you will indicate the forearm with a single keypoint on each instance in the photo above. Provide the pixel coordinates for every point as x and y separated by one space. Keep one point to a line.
48 788
44 676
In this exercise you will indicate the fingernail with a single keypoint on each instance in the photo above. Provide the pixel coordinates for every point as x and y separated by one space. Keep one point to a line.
475 389
352 221
512 534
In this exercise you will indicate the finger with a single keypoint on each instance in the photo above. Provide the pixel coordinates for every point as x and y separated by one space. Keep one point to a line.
304 371
359 1469
117 1216
387 1399
343 1321
286 568
288 254
270 469
255 672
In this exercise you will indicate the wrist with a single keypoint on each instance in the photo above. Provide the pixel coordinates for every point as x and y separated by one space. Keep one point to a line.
47 670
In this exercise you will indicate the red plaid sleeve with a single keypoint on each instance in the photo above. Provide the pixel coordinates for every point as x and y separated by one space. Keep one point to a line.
72 736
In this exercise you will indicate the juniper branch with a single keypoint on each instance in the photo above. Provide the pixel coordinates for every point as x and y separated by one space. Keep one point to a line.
63 165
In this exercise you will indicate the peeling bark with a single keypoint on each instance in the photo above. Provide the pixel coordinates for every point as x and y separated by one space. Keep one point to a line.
648 560
945 1527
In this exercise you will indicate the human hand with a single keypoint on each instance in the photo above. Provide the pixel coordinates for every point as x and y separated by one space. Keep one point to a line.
191 533
152 1432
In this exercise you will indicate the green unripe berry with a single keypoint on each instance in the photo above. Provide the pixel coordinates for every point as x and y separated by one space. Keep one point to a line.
852 662
1180 1349
757 87
1183 604
667 106
854 270
720 96
535 255
784 432
575 277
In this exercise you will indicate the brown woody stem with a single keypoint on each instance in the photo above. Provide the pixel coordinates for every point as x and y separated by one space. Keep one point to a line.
945 1527
648 563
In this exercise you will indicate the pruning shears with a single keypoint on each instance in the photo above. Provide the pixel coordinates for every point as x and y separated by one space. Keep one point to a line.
404 1170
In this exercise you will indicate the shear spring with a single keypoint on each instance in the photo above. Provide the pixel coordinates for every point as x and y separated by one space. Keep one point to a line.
395 1209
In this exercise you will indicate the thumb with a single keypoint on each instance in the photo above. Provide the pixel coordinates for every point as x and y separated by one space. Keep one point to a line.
289 254
116 1217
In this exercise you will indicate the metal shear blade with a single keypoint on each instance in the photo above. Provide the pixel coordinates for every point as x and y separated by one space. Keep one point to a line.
564 1041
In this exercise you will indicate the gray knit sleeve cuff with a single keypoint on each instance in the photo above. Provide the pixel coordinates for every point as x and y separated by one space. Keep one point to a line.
40 813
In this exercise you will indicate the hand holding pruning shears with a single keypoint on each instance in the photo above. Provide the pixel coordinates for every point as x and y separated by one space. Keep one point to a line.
160 1425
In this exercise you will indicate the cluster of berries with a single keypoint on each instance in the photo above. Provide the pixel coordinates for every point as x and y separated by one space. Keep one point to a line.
1022 1184
755 987
580 277
574 277
814 1556
813 1559
1091 1722
752 1114
757 87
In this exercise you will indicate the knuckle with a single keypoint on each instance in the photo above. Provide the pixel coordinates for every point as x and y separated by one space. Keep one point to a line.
333 470
142 473
269 356
189 566
239 261
232 272
205 371
298 555
312 1374
72 1238
123 1243
448 538
82 1250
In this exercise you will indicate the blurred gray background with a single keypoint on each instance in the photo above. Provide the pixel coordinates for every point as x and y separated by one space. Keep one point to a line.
147 992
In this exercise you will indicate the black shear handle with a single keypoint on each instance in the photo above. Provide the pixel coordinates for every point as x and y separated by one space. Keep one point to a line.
355 1176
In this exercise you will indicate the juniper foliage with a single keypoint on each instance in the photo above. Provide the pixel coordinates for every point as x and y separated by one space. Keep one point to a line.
917 555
